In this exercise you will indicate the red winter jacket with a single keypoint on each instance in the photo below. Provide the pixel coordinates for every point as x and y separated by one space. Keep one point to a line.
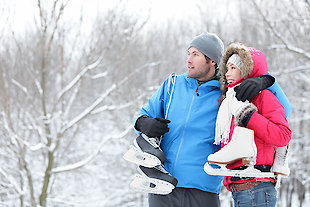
269 123
270 129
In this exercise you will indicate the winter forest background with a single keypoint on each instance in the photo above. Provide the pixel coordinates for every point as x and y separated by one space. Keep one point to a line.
73 75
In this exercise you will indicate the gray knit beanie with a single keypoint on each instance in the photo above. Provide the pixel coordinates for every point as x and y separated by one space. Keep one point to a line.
210 45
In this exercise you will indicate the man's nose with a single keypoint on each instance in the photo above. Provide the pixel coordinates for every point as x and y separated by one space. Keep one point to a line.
189 59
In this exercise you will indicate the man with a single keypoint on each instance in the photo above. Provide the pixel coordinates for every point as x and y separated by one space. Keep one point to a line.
189 139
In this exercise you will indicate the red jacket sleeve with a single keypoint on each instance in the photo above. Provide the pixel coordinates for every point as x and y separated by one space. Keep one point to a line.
269 122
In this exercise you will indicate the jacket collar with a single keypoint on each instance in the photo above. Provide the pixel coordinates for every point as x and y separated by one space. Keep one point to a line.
235 83
194 83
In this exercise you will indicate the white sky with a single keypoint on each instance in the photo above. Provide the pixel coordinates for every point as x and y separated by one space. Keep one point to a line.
22 12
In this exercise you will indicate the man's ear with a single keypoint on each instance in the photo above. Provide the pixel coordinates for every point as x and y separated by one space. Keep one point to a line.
213 63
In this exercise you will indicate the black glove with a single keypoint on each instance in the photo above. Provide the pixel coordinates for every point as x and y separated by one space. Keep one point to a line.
249 88
152 127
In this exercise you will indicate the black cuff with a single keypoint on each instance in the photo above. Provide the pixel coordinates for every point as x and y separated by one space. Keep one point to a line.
138 123
243 117
247 118
268 81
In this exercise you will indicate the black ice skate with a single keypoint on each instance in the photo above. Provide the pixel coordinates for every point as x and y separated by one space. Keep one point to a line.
154 180
145 152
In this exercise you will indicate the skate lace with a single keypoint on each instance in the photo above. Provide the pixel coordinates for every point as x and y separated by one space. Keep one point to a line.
161 168
154 142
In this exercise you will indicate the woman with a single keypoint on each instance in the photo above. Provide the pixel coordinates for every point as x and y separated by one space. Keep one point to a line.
265 116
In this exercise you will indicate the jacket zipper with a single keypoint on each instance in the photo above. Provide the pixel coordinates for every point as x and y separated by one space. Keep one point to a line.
183 133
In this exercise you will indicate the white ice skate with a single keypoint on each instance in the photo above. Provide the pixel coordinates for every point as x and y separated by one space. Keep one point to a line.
145 151
280 164
241 147
154 180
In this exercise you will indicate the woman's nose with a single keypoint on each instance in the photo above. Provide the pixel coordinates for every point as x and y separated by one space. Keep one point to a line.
227 74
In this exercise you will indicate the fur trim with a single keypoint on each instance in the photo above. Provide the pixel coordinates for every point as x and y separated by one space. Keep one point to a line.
246 59
244 113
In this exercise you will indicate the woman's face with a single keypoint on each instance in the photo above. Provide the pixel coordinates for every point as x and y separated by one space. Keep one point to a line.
233 73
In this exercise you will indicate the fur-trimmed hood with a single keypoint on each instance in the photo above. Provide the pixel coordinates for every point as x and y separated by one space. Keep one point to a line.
254 63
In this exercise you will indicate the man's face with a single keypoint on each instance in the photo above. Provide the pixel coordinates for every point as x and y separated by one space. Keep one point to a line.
198 67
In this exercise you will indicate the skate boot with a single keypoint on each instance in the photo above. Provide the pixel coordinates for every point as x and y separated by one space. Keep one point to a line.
145 151
280 164
241 147
154 180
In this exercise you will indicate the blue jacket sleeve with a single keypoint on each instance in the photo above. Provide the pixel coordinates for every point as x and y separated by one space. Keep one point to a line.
155 106
277 91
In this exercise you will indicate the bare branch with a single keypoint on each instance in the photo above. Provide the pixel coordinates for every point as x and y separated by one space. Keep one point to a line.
78 77
92 156
111 107
11 180
42 17
308 3
285 42
87 111
60 12
99 100
301 68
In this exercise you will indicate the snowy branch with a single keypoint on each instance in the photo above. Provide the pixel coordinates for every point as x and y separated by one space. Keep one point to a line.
111 107
99 100
70 102
36 81
19 85
291 48
11 181
88 159
100 75
285 42
88 110
293 70
78 77
25 91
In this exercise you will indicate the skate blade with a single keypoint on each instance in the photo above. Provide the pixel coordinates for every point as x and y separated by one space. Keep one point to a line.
284 173
138 157
248 172
151 185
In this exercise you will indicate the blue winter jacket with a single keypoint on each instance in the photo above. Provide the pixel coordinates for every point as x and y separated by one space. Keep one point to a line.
192 112
192 129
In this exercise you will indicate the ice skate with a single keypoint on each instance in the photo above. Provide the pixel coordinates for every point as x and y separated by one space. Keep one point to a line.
280 164
241 147
154 180
146 152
